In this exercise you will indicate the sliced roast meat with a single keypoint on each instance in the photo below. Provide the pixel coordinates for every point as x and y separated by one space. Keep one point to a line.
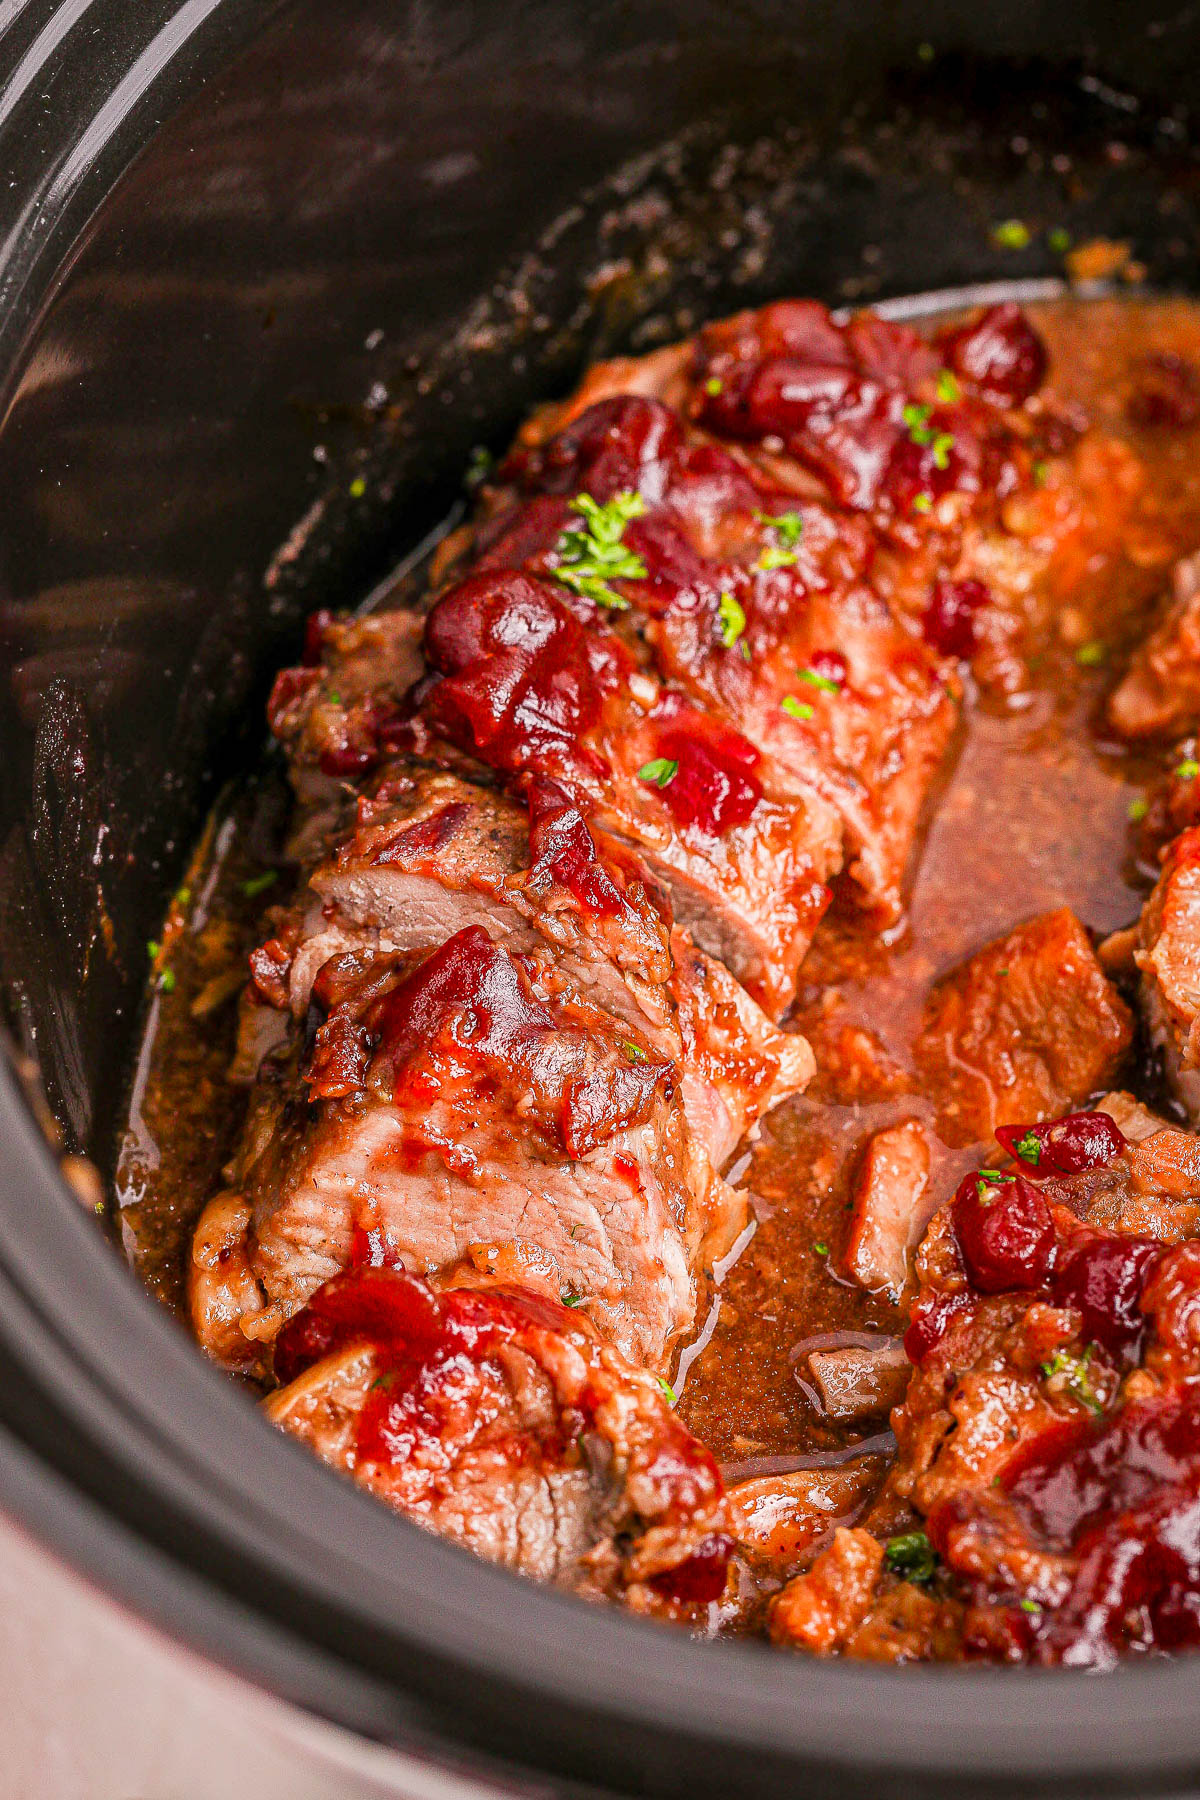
430 853
496 1419
528 677
470 1106
1167 955
1160 696
1026 1027
755 605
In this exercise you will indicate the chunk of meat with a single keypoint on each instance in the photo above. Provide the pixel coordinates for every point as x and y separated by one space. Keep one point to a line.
1027 1027
860 1381
784 1519
1160 695
1167 955
888 1205
494 1418
527 678
821 1610
1049 1435
468 1099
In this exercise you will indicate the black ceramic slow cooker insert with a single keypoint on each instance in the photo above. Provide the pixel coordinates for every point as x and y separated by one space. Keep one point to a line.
247 252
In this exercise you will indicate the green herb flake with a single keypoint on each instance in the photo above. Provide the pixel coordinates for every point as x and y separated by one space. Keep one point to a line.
1029 1148
788 527
334 698
1011 234
662 771
911 1556
358 488
183 898
774 557
635 1053
731 620
153 948
480 464
826 683
922 503
1059 239
1040 471
1188 769
166 981
258 884
570 1299
916 417
1076 1377
591 556
1138 809
1092 655
796 709
925 53
948 390
1030 1606
820 1249
943 444
668 1392
714 386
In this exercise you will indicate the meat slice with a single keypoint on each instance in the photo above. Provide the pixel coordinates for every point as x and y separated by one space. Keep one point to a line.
496 1419
529 679
1167 955
1026 1027
1160 695
432 853
754 603
476 1111
887 1208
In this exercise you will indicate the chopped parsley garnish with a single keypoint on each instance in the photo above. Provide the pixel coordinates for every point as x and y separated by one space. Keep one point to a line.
948 389
153 948
925 53
714 386
480 464
1059 239
826 683
258 884
1076 1377
358 488
1138 809
183 898
820 1249
635 1053
1011 234
1030 1606
1090 656
570 1299
669 1394
788 527
1188 769
591 555
662 771
911 1556
1029 1148
796 709
731 620
1039 474
916 417
986 1180
943 444
166 981
335 699
922 503
774 557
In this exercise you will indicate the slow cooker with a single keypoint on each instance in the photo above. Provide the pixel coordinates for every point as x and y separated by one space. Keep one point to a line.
268 270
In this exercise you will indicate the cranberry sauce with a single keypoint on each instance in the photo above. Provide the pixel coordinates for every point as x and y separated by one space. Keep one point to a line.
1085 1140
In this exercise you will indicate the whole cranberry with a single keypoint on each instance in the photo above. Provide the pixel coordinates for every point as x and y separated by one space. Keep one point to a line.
950 622
1103 1278
1004 1231
1000 354
1083 1140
